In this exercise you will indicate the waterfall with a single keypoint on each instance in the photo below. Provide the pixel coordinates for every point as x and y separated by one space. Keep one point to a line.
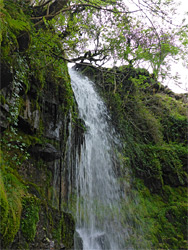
98 208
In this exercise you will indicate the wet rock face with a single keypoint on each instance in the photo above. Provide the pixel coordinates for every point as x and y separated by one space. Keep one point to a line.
67 230
103 241
78 241
25 126
47 152
50 233
3 118
43 120
23 41
6 75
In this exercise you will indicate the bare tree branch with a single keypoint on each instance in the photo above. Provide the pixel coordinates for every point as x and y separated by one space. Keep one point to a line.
42 5
77 6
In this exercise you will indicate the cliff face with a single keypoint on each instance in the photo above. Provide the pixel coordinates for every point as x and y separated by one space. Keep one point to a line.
37 107
152 122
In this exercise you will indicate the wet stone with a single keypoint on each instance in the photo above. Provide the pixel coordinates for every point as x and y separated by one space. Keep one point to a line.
47 152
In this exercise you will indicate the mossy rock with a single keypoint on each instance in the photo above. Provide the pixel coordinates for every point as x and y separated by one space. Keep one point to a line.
163 217
68 229
12 192
64 228
30 217
3 205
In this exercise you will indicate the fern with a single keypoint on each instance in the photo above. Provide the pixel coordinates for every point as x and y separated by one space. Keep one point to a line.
17 24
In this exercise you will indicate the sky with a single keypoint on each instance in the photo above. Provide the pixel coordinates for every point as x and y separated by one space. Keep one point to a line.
183 71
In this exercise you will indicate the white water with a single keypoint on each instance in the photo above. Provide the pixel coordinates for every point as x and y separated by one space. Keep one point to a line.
98 193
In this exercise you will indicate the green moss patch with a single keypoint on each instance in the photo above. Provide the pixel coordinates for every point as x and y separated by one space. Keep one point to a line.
163 217
12 192
30 217
64 230
153 129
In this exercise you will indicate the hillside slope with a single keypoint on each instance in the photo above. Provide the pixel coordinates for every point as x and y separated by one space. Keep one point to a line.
152 122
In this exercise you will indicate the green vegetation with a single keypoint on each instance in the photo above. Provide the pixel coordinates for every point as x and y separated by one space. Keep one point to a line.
36 43
64 230
163 216
30 217
35 91
153 128
12 192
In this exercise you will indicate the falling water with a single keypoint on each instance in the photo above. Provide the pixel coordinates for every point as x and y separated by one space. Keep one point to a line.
98 213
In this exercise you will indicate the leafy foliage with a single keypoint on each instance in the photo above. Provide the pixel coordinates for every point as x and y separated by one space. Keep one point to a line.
162 217
111 31
153 130
30 55
13 23
145 35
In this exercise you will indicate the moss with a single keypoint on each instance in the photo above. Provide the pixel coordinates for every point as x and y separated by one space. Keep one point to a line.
175 129
57 232
152 124
64 230
2 100
161 219
30 217
30 63
12 191
13 23
3 205
153 128
68 229
172 115
1 20
167 161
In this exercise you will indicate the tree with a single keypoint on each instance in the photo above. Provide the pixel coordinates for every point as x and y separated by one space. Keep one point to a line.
98 31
